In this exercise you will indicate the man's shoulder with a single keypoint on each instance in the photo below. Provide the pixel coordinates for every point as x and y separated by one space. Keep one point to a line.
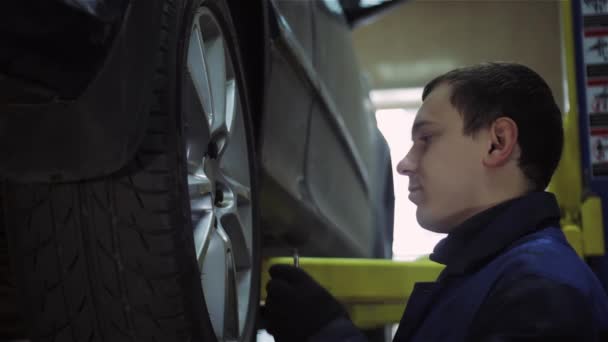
535 305
547 257
541 282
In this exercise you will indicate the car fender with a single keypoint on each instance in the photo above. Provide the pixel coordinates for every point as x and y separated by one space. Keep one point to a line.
98 132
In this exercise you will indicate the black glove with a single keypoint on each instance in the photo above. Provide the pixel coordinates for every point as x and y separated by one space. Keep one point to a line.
297 307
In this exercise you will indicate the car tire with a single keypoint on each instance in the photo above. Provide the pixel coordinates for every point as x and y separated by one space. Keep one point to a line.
165 249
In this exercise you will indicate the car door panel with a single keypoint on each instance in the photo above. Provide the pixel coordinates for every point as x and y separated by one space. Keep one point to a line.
319 138
285 125
355 203
286 116
338 68
335 186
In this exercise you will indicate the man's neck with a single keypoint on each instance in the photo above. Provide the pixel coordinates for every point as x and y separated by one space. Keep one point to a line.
459 218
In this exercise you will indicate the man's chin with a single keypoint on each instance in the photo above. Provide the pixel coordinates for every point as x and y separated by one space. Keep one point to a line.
430 223
436 229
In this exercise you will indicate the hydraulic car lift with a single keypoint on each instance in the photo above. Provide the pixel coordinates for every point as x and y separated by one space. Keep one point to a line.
375 291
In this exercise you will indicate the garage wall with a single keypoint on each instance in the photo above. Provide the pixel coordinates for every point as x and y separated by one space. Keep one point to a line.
420 39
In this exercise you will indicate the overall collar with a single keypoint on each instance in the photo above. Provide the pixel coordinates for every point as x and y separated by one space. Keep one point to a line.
484 235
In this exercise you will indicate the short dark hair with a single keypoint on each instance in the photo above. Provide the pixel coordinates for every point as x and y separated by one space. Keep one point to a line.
485 92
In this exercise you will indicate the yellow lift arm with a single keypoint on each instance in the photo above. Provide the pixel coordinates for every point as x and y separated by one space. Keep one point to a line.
374 291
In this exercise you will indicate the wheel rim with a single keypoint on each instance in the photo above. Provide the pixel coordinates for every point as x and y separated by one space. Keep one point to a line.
218 177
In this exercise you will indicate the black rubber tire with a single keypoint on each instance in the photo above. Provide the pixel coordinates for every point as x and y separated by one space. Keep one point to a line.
11 322
113 259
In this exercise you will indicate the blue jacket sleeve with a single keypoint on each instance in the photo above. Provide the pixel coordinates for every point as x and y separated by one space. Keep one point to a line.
339 330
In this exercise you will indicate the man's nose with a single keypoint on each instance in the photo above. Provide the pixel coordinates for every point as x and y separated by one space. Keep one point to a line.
406 166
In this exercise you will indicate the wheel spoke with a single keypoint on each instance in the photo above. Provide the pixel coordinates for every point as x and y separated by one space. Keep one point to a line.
196 126
224 124
199 185
231 97
243 281
234 162
214 279
214 50
198 71
220 285
231 314
200 190
239 234
242 191
202 236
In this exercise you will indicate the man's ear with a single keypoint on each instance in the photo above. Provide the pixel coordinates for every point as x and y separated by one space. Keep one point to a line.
503 139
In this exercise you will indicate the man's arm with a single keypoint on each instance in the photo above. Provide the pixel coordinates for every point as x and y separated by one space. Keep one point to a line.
532 308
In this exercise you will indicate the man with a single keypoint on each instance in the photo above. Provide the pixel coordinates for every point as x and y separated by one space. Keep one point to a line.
486 142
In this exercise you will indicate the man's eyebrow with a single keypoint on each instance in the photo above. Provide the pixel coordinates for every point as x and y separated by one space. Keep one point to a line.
419 124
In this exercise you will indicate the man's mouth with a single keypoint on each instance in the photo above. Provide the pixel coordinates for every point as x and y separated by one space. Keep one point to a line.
415 194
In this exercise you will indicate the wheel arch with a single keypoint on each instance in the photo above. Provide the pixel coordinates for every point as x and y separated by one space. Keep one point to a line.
97 132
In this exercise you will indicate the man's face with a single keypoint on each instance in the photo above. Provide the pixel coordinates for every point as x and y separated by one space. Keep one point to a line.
444 166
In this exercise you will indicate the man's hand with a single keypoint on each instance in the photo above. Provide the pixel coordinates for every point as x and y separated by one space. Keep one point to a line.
297 307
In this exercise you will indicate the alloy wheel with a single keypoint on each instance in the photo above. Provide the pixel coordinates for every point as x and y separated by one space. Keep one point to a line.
219 178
